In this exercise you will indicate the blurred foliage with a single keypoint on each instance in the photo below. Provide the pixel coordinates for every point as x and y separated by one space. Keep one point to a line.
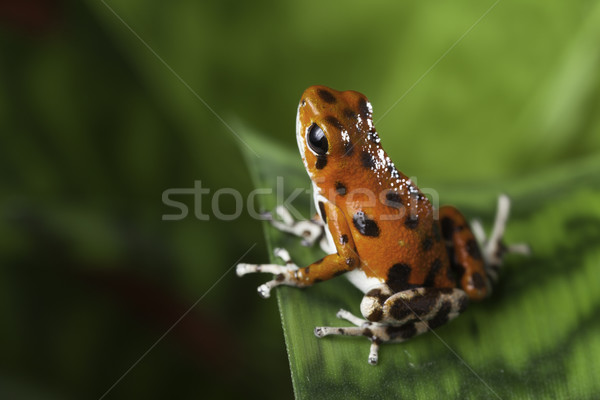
94 127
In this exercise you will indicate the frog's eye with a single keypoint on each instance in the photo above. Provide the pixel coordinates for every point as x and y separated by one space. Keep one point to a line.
317 141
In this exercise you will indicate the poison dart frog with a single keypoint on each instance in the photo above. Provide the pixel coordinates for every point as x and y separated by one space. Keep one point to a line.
418 267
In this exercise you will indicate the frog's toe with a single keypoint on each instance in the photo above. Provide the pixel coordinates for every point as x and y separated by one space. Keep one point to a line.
478 231
374 353
264 290
320 331
282 253
519 248
243 269
266 215
285 215
348 316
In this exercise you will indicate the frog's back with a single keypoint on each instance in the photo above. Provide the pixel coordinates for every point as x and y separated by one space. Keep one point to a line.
391 221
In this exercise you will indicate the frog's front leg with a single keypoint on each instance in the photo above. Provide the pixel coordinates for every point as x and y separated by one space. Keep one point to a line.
328 267
280 271
309 230
396 317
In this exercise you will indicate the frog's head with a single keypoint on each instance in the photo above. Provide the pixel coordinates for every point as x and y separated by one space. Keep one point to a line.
333 128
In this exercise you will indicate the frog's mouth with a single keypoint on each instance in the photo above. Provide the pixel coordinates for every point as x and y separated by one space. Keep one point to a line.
300 140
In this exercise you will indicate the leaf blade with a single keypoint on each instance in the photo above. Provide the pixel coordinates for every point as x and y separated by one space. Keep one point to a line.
520 343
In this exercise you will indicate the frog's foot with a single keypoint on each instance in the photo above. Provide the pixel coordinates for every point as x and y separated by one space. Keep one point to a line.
283 273
362 328
377 333
397 317
309 230
493 248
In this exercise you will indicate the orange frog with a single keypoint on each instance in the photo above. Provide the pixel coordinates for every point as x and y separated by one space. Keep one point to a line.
417 268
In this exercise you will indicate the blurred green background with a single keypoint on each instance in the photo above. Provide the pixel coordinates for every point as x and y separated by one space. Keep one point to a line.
94 126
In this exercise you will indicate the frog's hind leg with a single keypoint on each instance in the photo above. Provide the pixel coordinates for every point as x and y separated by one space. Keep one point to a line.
476 268
396 317
466 260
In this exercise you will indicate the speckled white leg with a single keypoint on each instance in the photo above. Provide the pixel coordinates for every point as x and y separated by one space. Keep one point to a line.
373 353
244 269
309 230
282 272
376 333
348 316
396 317
478 231
492 248
358 330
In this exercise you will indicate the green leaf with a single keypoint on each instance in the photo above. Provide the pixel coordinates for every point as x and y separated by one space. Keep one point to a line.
535 337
